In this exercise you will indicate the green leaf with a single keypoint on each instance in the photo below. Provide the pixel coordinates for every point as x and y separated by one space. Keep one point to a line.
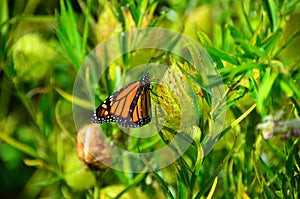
160 180
182 190
132 184
221 54
183 174
74 99
4 16
271 10
86 27
267 192
251 51
275 150
210 182
272 40
235 33
289 86
69 36
293 86
296 104
134 12
264 91
199 159
18 145
283 185
285 87
239 70
49 181
204 39
118 12
233 124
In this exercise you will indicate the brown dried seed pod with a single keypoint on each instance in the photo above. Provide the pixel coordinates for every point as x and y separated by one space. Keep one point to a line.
92 148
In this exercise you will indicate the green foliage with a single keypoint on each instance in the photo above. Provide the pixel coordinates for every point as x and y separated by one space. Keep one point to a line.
254 45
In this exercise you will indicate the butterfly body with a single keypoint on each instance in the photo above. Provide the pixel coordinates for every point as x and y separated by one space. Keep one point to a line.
128 107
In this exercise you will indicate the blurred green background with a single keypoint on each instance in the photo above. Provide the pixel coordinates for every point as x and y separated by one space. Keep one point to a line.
255 46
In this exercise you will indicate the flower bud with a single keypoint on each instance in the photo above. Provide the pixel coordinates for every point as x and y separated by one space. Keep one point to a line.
32 57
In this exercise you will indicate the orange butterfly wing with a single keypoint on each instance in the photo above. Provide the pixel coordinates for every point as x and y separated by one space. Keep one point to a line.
129 107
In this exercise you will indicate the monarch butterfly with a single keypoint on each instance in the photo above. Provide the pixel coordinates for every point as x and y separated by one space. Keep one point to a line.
128 107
